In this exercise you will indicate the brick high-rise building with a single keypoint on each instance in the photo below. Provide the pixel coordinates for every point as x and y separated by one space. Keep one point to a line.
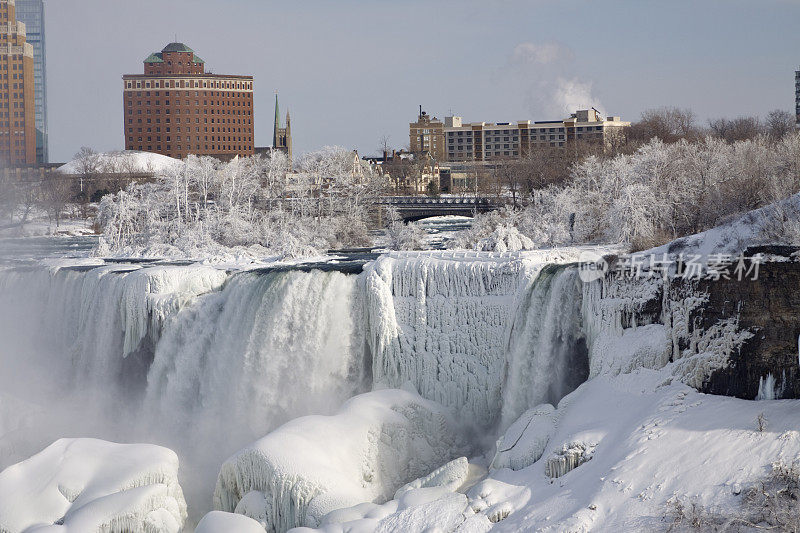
176 109
17 111
31 12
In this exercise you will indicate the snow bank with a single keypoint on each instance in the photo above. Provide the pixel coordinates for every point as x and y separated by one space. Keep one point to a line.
122 161
313 465
649 441
85 485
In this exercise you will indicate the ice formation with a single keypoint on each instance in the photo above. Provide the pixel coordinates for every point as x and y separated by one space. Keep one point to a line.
80 485
645 322
313 465
766 388
568 458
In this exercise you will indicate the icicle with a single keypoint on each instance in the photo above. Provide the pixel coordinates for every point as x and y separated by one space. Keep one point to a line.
766 388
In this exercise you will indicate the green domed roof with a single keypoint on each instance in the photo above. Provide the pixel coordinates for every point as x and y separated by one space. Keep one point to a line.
154 58
176 47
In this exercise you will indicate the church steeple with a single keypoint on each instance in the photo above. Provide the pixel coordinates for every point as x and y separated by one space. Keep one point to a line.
282 135
277 125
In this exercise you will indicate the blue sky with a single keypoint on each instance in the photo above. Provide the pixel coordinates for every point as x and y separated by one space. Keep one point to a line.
353 71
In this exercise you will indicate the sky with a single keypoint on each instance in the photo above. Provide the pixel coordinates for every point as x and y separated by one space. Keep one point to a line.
352 72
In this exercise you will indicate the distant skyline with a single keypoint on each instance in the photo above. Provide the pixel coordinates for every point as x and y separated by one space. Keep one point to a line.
351 72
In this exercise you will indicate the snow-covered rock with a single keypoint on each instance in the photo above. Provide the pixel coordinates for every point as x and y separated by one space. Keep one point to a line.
82 485
222 522
313 465
436 502
525 440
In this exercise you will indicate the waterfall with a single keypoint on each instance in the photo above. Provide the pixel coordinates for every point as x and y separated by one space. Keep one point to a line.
92 327
547 355
187 357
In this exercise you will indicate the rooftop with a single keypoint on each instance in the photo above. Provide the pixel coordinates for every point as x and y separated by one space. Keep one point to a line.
176 47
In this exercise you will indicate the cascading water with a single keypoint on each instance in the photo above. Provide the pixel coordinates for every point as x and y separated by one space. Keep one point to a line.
268 348
547 355
224 364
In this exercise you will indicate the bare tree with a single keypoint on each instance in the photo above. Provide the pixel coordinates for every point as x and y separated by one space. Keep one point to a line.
669 124
384 147
738 129
779 123
55 193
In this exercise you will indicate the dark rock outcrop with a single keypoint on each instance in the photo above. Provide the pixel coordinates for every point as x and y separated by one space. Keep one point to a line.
768 307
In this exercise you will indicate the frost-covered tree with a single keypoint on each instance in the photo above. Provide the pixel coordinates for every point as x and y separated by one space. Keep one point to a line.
206 207
660 192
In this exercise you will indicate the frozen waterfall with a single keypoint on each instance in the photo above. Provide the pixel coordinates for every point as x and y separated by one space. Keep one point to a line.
547 355
205 361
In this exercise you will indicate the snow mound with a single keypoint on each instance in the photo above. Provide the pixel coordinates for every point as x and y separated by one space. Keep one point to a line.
121 161
221 522
450 476
313 465
82 485
435 502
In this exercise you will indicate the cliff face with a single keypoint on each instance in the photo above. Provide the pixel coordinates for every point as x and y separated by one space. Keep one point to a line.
721 336
769 308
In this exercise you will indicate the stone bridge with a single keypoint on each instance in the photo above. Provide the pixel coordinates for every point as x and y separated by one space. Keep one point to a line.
418 207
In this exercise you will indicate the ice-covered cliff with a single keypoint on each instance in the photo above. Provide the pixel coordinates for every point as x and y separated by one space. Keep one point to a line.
467 331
